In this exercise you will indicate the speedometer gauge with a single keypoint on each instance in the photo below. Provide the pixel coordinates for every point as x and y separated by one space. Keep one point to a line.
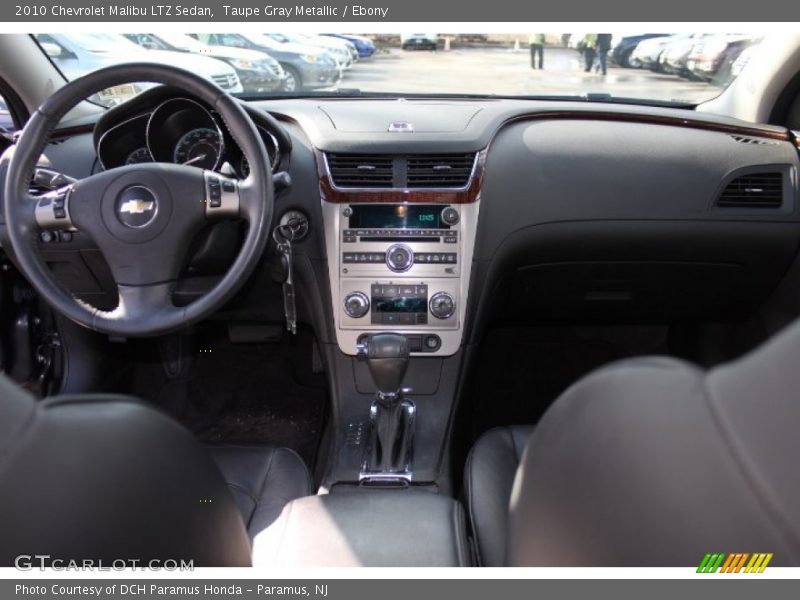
140 155
200 148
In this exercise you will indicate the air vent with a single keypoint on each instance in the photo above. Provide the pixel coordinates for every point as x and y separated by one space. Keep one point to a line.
440 170
757 190
753 141
360 170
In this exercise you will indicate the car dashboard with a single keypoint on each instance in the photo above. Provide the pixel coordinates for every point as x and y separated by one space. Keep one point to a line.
437 217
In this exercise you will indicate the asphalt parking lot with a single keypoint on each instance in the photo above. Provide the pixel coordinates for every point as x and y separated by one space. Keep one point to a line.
504 71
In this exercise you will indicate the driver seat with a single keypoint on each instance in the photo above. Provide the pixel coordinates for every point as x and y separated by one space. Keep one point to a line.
109 477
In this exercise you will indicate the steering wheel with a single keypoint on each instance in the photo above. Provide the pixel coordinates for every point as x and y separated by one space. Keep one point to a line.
142 217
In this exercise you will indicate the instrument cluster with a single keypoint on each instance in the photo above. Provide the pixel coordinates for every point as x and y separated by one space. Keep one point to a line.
180 131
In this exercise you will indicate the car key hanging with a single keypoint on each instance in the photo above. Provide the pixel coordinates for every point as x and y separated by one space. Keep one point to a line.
283 236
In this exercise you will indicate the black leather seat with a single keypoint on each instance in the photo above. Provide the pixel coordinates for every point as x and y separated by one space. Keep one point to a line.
262 479
649 462
488 479
108 477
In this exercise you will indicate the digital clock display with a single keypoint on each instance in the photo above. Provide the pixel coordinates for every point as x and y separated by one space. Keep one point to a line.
397 216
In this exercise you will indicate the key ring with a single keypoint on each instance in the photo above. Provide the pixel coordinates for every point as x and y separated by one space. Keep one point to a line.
280 236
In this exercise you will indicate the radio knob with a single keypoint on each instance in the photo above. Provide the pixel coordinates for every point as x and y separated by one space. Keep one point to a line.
442 305
399 258
450 216
356 305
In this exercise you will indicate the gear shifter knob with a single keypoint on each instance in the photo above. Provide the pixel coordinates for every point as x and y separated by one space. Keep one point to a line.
387 358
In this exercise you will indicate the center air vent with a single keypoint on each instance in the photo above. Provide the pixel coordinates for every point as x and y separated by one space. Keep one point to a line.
756 190
360 170
440 170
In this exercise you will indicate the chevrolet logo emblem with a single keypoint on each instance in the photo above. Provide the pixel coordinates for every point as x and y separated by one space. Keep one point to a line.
136 207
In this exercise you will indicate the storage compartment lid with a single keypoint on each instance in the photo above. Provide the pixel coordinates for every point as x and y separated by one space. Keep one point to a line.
370 528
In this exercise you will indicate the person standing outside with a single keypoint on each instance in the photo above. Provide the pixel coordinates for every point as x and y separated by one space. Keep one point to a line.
603 48
589 50
536 41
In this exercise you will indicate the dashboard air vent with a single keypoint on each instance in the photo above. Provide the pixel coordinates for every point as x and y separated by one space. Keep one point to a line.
753 141
361 170
756 190
440 170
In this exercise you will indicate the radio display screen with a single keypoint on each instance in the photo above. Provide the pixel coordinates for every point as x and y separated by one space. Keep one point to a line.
396 216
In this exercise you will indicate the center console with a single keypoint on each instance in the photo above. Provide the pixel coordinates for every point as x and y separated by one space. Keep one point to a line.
400 234
374 528
399 260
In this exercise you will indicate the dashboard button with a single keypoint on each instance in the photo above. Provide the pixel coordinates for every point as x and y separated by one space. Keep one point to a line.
399 258
450 216
442 305
356 305
432 343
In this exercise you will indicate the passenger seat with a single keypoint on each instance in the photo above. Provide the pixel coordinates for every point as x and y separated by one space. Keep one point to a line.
489 477
648 462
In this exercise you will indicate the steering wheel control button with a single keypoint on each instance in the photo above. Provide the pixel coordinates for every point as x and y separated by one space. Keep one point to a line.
214 192
136 207
442 305
222 196
399 258
59 206
51 210
450 216
356 305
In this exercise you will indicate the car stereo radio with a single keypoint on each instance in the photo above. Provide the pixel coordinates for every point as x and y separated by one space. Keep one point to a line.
398 267
404 238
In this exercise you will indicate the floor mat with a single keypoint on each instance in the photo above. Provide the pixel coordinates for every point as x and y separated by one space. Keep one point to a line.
254 393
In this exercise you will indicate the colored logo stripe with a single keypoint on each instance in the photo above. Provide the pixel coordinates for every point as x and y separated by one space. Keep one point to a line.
734 562
758 563
711 563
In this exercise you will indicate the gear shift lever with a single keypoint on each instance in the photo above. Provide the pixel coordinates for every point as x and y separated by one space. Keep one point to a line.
391 415
387 358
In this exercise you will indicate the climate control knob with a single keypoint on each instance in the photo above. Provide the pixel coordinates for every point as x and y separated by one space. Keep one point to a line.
450 216
356 305
399 258
442 305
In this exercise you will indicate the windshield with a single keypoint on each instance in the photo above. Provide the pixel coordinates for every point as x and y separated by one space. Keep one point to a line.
183 42
686 68
260 39
99 42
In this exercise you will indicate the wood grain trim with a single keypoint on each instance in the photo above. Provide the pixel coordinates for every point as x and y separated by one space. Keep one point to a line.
70 131
669 121
394 196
